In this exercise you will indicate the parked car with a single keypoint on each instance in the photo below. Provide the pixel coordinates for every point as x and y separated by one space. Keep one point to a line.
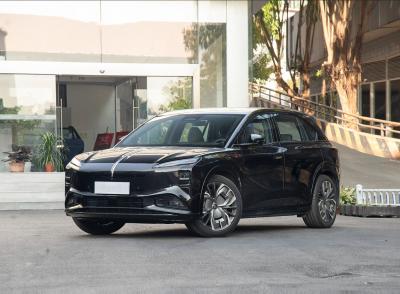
73 143
208 169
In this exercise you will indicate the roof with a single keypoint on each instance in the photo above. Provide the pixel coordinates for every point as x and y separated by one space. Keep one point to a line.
222 110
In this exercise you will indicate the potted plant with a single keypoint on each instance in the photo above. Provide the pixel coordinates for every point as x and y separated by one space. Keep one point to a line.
49 157
18 158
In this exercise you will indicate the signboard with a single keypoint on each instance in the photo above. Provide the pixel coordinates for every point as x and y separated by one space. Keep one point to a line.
103 141
119 135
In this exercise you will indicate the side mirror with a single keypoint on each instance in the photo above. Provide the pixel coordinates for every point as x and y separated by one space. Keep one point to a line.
257 139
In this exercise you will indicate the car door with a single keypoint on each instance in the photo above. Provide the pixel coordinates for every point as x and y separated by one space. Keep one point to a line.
73 143
302 157
262 165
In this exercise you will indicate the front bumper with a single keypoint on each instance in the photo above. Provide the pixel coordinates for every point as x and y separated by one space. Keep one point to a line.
131 208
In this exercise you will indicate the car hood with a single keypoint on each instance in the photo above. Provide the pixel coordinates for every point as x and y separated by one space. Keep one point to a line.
149 155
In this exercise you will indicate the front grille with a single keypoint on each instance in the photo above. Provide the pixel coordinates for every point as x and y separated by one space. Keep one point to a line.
139 183
116 202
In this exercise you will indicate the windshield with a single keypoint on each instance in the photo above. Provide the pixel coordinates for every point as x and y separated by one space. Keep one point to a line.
208 130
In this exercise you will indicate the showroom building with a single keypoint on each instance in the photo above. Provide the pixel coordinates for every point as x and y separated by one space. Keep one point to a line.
85 69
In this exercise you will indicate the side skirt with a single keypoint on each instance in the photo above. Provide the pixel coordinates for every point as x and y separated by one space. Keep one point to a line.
300 211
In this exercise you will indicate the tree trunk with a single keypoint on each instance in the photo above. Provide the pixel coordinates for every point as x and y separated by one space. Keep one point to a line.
346 87
308 107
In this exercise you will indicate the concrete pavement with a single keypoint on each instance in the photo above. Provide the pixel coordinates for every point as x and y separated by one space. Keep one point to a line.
43 252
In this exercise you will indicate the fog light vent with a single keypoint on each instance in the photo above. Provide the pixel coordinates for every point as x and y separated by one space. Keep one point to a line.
170 202
184 175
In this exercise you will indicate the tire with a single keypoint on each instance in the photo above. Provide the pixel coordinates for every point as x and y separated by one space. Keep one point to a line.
98 226
221 209
322 213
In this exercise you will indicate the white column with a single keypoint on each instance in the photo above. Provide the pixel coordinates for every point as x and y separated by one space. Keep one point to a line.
196 87
237 48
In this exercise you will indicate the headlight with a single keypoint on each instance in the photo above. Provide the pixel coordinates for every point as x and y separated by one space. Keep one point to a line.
177 164
73 164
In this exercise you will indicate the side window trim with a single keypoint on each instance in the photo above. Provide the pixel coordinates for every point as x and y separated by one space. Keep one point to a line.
272 127
303 132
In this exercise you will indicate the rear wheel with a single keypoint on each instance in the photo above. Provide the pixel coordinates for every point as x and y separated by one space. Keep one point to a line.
222 209
323 208
98 226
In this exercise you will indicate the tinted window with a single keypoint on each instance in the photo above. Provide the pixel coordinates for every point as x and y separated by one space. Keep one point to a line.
211 130
310 131
289 128
260 125
155 135
188 126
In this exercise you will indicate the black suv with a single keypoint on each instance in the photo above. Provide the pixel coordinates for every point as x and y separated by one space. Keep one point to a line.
207 168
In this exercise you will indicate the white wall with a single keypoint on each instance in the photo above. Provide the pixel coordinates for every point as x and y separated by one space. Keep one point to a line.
92 110
237 48
38 191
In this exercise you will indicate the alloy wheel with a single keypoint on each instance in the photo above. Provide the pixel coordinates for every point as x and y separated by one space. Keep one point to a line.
219 206
327 201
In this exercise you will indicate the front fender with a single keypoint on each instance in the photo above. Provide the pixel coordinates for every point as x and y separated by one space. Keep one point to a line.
205 171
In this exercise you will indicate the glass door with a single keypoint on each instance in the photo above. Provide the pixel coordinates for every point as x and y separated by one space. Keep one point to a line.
126 107
140 98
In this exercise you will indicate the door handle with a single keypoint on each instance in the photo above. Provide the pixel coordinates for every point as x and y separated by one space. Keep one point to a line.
279 153
281 150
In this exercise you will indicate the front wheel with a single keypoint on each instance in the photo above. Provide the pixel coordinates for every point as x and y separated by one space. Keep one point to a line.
98 226
324 203
222 209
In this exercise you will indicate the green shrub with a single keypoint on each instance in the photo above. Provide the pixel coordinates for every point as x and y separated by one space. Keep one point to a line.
347 195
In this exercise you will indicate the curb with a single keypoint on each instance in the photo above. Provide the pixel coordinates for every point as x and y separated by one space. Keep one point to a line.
370 211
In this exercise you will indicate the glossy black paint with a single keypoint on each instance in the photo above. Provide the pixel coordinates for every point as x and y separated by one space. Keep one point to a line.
274 179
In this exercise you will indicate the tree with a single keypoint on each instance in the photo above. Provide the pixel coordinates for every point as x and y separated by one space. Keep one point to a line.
269 22
262 68
304 57
343 36
261 61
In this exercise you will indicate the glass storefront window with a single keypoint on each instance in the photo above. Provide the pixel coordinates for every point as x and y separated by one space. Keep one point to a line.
168 94
365 100
380 100
50 30
210 41
147 31
395 100
212 53
27 110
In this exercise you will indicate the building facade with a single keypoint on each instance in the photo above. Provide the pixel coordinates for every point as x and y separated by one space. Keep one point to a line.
86 69
379 91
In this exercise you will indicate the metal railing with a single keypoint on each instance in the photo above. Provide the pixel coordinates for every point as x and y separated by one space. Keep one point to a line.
328 113
379 197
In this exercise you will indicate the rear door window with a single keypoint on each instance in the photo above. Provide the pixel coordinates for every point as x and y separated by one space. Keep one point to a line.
310 131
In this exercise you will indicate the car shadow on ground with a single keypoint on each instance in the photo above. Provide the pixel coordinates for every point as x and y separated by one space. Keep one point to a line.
182 232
